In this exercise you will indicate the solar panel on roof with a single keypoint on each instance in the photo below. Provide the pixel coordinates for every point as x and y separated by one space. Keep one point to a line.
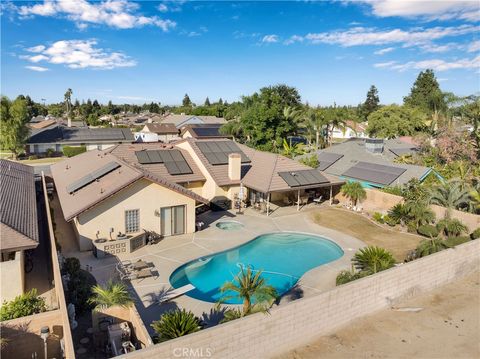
173 160
326 159
374 173
206 131
303 178
91 177
216 152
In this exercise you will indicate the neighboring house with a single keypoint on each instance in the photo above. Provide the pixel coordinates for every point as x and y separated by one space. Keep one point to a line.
203 131
166 132
145 137
57 136
352 130
42 124
156 187
182 120
371 162
18 225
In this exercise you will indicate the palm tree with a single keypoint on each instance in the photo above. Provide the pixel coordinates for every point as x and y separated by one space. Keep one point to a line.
314 122
250 288
112 294
430 246
232 128
474 204
68 101
354 191
399 213
449 195
373 259
451 227
292 150
419 213
176 323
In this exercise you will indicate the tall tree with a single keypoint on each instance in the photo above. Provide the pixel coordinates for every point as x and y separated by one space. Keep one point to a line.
392 121
426 94
207 102
68 101
371 103
13 130
186 101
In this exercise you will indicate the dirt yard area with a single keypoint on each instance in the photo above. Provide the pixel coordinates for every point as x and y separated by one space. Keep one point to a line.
358 226
448 326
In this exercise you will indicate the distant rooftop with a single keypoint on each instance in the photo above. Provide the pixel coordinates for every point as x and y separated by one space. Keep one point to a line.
63 134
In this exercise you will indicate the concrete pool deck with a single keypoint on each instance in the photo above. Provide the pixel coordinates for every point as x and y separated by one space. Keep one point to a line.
172 252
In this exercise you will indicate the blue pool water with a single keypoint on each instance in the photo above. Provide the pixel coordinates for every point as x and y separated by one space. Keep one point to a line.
283 257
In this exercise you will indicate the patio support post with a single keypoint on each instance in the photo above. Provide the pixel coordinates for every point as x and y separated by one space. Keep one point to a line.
331 193
268 203
298 201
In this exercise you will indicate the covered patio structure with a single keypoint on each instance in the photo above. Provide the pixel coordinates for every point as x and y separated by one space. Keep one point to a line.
294 188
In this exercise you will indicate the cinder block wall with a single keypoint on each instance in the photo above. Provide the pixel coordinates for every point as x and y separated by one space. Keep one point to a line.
297 323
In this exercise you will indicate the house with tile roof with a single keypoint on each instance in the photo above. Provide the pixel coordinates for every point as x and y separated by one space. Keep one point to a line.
129 188
205 131
165 132
18 224
371 162
183 120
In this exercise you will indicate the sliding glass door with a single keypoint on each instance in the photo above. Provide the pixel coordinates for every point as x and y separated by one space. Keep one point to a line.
172 220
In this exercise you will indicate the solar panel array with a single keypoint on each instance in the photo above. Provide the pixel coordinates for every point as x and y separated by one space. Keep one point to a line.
92 177
97 134
172 159
303 178
217 152
326 159
207 131
372 172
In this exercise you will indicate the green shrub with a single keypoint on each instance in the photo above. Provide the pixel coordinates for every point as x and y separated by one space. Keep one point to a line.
428 230
455 241
33 157
310 161
175 324
378 217
79 288
451 227
50 152
430 246
71 151
371 259
475 234
26 304
389 220
411 227
346 276
72 266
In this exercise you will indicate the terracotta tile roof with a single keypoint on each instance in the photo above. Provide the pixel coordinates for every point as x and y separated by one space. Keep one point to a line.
126 152
162 128
18 210
66 172
42 124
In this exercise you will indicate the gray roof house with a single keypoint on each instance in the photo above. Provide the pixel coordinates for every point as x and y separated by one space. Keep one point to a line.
371 162
56 136
182 120
18 210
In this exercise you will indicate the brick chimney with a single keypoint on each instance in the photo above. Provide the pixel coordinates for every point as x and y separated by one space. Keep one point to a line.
234 166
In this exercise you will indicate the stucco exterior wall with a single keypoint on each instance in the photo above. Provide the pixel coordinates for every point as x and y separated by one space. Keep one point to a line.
8 270
301 321
144 195
195 187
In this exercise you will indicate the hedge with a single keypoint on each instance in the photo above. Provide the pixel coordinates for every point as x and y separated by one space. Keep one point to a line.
475 234
428 230
71 151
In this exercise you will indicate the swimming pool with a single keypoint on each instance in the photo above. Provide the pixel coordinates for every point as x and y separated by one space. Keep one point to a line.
229 225
284 257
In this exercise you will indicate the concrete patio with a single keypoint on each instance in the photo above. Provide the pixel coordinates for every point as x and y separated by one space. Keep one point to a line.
172 252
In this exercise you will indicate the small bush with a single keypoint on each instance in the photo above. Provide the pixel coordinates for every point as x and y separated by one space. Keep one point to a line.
50 152
33 157
346 276
72 266
310 161
26 304
455 241
428 230
389 220
430 246
176 323
378 217
475 234
79 288
411 227
70 151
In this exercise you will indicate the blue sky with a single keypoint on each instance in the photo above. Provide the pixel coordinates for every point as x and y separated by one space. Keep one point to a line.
331 51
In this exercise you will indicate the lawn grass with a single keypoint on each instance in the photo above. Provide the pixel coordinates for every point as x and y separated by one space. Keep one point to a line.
356 225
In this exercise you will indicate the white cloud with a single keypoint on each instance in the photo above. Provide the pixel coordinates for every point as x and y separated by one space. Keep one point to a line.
371 36
428 9
384 51
38 48
435 64
37 68
80 54
171 6
439 48
474 46
293 39
162 8
269 39
120 14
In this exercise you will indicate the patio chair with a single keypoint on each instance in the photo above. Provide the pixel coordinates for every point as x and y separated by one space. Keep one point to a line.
287 201
142 274
317 200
